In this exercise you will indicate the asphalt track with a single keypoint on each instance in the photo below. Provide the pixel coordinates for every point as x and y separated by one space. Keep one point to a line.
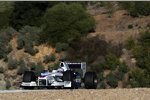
77 94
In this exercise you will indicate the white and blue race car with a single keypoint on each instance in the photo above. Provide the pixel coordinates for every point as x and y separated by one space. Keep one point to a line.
66 76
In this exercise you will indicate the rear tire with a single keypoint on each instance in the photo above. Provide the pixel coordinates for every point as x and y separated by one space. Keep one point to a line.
28 87
90 80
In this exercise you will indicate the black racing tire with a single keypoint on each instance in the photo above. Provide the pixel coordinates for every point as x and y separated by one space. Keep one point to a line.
28 87
90 80
29 76
68 76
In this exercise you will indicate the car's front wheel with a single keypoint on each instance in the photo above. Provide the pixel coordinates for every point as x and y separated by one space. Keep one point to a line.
29 76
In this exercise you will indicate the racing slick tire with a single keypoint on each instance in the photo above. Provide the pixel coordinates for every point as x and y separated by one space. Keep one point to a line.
90 80
29 76
68 76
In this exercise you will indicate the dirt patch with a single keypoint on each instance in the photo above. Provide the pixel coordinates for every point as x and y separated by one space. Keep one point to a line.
81 94
116 28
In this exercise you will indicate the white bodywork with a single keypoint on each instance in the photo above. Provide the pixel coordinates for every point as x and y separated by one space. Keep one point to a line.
54 78
29 84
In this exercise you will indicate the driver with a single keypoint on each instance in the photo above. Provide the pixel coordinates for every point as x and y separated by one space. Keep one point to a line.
62 67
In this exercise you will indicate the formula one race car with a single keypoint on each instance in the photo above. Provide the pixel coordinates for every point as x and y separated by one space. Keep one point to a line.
67 75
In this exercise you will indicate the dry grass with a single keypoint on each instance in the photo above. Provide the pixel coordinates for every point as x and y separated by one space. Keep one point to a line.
115 29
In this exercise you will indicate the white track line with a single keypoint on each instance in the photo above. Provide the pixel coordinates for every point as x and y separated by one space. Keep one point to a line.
23 91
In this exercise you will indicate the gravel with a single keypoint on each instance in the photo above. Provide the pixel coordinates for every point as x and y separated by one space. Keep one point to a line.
79 94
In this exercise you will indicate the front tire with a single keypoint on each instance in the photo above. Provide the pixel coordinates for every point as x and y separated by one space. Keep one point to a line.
29 76
68 76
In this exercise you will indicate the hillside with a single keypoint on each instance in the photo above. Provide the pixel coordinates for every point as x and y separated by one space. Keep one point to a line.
116 29
103 44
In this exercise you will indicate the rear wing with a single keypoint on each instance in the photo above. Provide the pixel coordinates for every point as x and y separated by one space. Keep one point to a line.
81 66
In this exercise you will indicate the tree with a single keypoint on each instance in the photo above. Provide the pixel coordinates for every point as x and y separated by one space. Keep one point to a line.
64 23
28 13
5 12
136 9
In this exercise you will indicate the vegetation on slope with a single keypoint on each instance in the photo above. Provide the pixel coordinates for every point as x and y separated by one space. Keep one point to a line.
65 25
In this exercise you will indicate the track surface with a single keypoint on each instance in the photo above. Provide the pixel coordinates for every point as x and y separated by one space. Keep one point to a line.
25 91
79 94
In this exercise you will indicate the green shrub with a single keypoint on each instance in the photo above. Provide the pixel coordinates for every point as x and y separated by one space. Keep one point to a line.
87 49
102 85
46 59
29 13
2 53
119 75
10 32
144 39
8 49
111 62
20 42
100 76
29 48
5 12
123 67
28 37
31 33
141 51
55 65
49 58
137 9
12 63
130 26
5 58
115 49
63 56
130 43
110 7
97 67
61 47
6 34
21 67
111 80
38 68
2 70
71 20
138 78
5 37
8 84
148 25
52 57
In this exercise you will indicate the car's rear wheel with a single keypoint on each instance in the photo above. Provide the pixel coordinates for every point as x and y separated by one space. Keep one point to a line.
90 80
